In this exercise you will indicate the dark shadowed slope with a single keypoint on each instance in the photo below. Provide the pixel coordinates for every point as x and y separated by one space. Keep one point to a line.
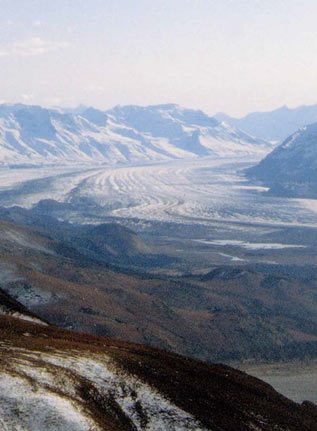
291 169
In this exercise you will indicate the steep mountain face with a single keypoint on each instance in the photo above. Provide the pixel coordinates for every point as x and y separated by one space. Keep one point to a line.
64 381
225 315
274 125
291 169
31 135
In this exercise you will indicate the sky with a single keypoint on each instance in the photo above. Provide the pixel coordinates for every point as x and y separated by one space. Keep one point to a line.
234 56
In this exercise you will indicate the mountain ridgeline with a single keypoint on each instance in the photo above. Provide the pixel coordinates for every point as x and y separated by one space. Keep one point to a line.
31 135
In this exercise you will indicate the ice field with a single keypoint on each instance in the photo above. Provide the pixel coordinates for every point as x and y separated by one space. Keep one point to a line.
181 191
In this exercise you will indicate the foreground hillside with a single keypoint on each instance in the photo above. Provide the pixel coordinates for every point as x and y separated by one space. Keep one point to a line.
52 379
291 169
31 135
229 314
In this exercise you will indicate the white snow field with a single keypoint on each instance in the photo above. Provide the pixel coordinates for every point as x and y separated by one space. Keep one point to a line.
183 191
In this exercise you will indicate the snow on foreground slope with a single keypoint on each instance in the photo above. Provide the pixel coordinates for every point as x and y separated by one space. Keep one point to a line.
52 379
48 390
130 134
41 389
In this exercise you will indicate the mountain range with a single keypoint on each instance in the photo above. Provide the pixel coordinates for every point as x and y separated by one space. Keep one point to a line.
32 135
291 169
274 125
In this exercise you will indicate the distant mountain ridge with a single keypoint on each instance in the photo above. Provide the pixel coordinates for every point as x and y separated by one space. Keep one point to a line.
291 169
274 125
32 135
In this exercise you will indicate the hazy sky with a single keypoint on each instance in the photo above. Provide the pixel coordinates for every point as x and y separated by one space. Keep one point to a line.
218 55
